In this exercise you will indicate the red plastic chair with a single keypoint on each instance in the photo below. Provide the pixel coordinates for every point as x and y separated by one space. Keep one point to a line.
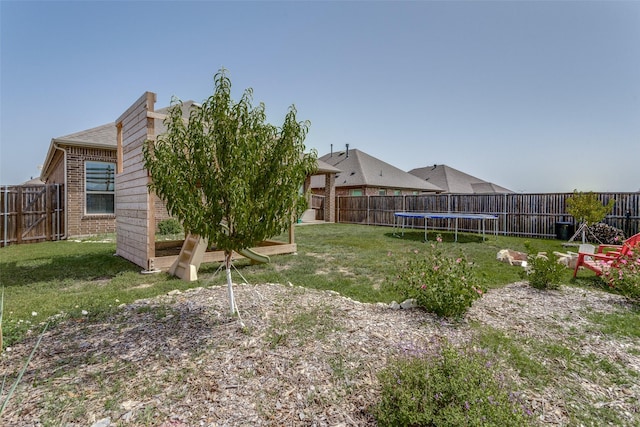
606 256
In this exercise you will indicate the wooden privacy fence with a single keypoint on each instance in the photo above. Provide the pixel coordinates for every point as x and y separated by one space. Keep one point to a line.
31 213
541 215
317 204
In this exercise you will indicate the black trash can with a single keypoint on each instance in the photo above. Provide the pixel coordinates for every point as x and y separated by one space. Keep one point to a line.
564 230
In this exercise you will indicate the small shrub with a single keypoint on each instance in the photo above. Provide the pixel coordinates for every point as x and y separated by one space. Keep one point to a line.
439 283
542 271
625 276
604 233
169 226
446 387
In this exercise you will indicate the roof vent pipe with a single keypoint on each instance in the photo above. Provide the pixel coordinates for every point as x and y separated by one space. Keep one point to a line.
331 153
347 150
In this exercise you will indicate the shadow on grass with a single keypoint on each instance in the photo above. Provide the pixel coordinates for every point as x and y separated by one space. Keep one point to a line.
60 267
447 236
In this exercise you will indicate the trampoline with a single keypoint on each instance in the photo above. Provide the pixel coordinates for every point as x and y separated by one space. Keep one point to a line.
403 216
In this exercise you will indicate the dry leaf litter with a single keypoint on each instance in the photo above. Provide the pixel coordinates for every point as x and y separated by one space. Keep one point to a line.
294 357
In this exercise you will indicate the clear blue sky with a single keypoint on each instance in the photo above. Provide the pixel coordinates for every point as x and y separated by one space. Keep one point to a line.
534 96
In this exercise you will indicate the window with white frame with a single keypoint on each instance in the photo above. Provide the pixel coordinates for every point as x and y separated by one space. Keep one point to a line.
100 185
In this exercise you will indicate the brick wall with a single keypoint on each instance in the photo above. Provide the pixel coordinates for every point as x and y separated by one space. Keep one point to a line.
161 211
79 223
330 197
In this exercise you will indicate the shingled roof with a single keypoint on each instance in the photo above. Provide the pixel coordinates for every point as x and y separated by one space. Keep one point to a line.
359 169
105 135
455 181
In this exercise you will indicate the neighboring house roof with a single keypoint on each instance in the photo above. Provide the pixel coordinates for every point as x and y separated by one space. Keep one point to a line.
33 181
359 169
325 168
455 181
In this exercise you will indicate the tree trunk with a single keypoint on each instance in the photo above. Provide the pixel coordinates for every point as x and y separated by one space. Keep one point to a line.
227 265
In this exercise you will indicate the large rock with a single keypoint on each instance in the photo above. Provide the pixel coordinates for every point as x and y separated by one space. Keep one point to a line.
409 303
512 257
569 259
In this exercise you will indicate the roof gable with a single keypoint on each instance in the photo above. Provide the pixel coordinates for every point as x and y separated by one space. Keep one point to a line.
101 135
106 135
455 181
359 169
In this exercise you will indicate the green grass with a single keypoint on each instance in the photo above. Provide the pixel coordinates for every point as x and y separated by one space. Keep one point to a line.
356 260
546 364
516 355
68 278
55 280
618 324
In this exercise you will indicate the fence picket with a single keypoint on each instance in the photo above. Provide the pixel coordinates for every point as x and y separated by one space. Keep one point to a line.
31 213
524 215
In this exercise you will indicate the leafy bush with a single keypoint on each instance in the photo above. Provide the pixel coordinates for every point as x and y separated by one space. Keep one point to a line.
542 271
446 388
625 276
169 226
604 233
439 283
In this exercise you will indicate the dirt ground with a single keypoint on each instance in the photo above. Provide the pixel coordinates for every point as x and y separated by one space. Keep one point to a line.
294 356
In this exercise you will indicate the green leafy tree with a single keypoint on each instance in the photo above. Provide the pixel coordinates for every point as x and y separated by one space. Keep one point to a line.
587 209
226 174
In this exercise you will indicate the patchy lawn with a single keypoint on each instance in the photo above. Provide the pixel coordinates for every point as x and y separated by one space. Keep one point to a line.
298 356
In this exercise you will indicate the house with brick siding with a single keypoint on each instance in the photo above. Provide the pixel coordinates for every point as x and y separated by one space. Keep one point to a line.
85 163
364 175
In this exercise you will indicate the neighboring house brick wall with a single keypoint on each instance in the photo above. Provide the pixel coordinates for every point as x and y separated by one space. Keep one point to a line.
79 223
161 211
330 199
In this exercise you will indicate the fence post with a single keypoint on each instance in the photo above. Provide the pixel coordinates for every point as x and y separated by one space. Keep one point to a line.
504 215
48 201
6 215
19 215
58 211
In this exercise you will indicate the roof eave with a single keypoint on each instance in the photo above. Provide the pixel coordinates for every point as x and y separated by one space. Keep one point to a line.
77 143
53 147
